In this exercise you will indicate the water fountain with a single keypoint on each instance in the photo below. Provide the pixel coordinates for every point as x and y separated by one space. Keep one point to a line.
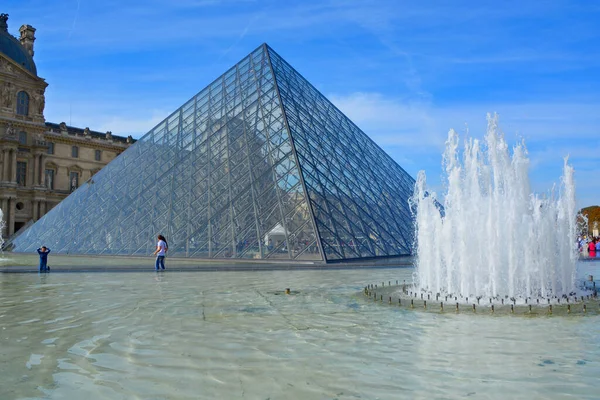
493 243
495 238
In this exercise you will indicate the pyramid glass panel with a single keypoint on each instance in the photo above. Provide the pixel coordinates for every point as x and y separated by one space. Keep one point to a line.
258 165
358 194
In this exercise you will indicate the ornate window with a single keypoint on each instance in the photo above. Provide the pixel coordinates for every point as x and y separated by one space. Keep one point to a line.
98 155
50 148
22 103
21 173
73 181
23 137
75 152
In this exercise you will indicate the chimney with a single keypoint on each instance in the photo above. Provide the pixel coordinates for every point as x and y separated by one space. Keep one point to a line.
27 37
3 24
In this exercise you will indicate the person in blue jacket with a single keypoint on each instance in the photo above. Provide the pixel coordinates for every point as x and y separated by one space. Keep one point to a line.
43 252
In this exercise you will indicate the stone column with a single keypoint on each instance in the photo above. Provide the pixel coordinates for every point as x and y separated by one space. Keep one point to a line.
5 164
34 181
42 209
42 176
5 217
36 207
13 170
10 220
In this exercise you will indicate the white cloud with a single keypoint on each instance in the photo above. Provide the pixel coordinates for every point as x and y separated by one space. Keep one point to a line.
399 122
390 122
414 134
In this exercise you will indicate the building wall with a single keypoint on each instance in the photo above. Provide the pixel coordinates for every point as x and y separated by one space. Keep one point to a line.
27 188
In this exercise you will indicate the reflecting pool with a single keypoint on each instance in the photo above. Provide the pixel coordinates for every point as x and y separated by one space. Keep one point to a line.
234 335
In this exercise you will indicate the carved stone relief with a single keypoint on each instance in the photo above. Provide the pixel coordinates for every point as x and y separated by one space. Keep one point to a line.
6 66
7 95
40 102
10 130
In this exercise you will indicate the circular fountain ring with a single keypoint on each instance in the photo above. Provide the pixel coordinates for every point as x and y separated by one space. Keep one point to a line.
408 296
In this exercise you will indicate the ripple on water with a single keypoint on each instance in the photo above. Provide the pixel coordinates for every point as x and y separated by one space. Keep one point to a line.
29 321
181 338
62 328
49 340
59 319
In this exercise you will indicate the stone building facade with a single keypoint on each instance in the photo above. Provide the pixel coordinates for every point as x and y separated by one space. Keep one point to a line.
40 162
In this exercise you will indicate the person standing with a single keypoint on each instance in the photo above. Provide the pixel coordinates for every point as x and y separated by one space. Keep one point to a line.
161 251
584 247
43 252
598 247
592 248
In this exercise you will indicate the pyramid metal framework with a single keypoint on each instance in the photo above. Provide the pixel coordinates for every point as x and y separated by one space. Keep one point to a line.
258 165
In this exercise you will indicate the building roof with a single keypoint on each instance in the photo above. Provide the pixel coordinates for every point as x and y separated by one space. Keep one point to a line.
74 131
11 47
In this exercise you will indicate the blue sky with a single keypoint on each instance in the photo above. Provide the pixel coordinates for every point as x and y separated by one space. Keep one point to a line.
404 71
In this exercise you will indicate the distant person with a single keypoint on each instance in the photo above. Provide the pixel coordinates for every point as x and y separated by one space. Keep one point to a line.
597 247
584 247
592 248
161 251
43 252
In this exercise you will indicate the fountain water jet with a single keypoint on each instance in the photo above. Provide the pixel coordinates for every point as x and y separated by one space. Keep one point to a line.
494 238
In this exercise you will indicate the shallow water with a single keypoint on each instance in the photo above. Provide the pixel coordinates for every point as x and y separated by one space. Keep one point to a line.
234 335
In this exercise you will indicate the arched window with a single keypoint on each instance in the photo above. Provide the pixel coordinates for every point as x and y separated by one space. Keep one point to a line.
22 103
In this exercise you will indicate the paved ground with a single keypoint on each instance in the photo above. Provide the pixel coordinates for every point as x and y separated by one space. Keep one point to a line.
28 263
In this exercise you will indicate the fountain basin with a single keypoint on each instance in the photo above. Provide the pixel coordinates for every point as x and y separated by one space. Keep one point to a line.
409 296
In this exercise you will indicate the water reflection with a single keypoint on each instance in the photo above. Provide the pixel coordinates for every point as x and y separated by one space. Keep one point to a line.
234 335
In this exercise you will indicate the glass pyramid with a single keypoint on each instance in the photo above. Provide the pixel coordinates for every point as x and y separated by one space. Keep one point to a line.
258 165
